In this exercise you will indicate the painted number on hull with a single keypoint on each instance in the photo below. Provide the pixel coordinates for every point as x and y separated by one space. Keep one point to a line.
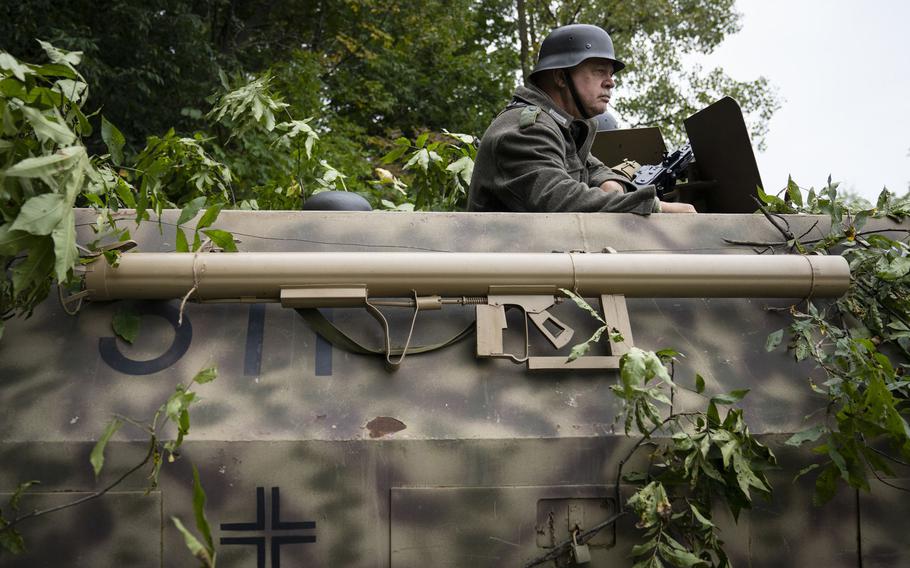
183 336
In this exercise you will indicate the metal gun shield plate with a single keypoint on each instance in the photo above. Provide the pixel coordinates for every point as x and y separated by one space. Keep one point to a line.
723 155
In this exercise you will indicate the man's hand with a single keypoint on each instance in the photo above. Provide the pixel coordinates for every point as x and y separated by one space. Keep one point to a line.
611 186
674 207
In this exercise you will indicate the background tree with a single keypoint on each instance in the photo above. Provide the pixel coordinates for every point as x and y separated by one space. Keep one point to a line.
653 37
366 71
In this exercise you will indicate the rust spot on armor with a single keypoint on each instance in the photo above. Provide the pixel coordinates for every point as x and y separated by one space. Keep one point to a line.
382 425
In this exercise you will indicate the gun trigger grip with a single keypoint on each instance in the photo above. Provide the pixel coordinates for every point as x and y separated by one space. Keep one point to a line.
564 333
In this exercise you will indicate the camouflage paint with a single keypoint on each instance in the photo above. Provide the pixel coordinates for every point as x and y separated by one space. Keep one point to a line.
313 456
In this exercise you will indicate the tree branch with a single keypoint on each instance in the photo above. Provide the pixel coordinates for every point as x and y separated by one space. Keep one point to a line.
40 512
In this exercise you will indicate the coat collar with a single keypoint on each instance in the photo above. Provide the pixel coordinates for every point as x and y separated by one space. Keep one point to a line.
531 94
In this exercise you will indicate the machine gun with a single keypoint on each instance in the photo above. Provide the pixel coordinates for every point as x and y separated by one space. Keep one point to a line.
665 174
721 179
493 282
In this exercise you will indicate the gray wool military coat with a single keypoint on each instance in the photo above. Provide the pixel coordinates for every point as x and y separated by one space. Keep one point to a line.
535 157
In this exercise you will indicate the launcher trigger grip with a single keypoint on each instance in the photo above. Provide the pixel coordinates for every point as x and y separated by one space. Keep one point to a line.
563 333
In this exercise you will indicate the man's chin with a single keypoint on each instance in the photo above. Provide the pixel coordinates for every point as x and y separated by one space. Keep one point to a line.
599 107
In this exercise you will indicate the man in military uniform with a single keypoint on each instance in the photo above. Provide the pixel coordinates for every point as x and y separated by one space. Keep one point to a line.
535 156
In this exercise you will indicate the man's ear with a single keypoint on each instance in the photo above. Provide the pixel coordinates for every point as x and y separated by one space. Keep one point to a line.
559 77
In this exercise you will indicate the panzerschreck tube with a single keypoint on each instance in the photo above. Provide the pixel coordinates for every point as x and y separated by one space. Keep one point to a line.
260 276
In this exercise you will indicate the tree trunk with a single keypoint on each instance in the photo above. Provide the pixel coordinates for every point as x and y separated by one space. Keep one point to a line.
523 39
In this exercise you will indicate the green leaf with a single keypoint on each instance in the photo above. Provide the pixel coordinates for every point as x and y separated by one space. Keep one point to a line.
19 70
702 520
579 351
97 456
397 152
46 166
183 427
11 242
208 217
112 257
668 355
20 491
47 129
65 252
85 127
793 192
422 140
41 214
114 140
808 435
53 70
774 340
181 245
191 209
11 540
805 470
699 384
223 239
649 562
73 90
840 462
680 557
769 199
12 89
36 268
896 269
193 544
202 523
825 485
62 56
177 403
712 413
421 158
643 548
730 398
583 304
126 323
726 451
206 375
463 138
463 167
883 198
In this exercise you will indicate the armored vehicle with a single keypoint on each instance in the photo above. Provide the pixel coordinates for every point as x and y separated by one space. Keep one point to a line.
323 443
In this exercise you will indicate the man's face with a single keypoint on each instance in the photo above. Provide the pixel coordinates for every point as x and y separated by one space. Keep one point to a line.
594 82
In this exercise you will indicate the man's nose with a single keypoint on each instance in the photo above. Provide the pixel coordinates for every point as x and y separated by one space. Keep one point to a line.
609 82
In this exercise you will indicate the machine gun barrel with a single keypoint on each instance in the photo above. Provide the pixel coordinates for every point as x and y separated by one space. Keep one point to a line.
261 276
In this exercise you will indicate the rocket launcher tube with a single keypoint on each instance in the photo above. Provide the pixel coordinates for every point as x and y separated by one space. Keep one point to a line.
260 276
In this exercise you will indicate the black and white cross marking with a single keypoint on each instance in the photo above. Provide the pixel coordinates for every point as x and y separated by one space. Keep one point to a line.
275 524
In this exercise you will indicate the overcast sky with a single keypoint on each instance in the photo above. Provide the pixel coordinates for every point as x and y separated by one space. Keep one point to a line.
842 70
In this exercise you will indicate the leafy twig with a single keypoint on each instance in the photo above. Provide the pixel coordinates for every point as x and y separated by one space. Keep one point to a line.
38 513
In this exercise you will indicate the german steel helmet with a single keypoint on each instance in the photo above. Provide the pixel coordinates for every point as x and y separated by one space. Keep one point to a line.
570 45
